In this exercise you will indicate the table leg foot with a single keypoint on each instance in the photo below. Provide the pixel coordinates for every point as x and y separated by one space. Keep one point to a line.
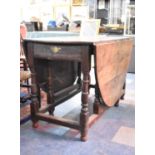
84 138
35 125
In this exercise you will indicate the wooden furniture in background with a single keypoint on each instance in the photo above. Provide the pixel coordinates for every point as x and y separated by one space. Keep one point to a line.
24 71
25 75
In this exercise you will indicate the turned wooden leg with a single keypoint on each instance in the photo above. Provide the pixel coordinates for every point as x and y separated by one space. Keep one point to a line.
35 103
84 115
34 106
35 124
34 109
84 111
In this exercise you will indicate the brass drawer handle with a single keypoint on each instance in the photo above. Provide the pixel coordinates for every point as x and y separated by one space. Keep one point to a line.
55 49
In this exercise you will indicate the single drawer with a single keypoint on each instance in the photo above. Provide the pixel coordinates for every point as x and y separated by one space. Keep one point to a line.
58 52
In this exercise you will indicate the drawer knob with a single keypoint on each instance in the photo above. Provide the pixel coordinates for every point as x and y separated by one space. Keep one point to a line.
55 49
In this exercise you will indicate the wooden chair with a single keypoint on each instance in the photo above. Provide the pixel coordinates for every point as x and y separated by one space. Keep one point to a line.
25 75
24 70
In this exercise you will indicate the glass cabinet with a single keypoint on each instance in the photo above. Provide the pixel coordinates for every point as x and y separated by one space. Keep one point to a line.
129 26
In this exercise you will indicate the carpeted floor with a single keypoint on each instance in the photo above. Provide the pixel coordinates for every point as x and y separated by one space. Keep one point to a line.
111 134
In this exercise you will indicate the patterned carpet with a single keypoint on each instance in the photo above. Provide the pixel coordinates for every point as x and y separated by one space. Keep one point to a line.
111 134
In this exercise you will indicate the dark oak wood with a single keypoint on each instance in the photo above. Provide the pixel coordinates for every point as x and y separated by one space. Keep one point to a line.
58 120
57 65
34 88
85 91
112 60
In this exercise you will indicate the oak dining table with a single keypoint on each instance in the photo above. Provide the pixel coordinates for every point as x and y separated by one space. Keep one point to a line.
60 64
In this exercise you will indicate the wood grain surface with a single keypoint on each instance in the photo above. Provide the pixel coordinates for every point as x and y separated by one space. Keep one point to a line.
112 60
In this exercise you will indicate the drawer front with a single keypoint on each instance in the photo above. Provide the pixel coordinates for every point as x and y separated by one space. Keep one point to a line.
58 52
